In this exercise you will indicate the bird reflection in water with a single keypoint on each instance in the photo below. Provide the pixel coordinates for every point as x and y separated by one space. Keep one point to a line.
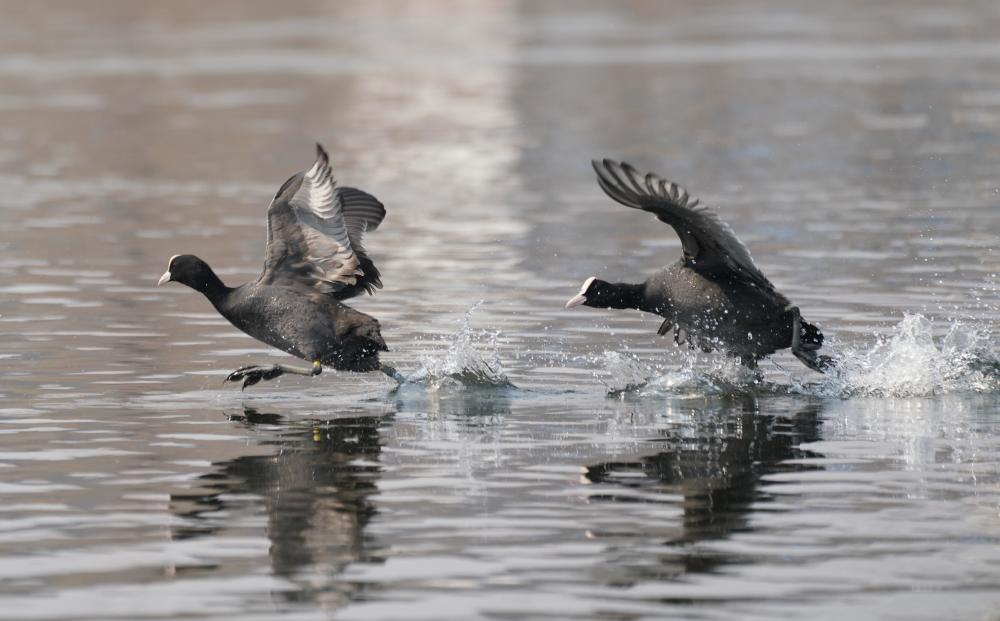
716 470
316 487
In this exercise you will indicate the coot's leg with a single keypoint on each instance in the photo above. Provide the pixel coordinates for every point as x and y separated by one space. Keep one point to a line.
255 373
391 372
808 357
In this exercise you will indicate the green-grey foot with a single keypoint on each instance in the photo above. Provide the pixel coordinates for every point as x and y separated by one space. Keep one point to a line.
816 362
806 353
253 374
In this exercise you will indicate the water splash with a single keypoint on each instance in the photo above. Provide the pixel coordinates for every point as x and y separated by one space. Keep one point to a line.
910 362
907 362
461 364
625 374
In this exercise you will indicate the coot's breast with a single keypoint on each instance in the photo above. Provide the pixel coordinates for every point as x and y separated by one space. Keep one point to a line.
283 318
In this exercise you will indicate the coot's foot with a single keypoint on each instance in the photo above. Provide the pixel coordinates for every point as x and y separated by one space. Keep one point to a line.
255 373
393 373
816 362
806 352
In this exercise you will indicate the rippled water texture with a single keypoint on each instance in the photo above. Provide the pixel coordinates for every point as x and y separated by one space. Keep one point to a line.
537 463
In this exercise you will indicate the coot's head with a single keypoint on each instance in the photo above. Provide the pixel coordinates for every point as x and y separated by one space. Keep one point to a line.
594 292
189 270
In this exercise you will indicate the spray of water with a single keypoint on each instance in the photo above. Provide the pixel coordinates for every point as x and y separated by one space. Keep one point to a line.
468 357
907 362
698 374
910 362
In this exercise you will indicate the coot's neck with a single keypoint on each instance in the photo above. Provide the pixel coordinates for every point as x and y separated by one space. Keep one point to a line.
211 286
625 295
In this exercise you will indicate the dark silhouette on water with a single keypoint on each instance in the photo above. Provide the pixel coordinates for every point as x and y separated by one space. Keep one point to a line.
315 258
715 472
315 488
715 297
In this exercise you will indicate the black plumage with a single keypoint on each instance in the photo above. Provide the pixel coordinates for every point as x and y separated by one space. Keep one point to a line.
714 297
315 258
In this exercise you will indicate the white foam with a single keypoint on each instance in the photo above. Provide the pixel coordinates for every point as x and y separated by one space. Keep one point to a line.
910 362
907 362
461 363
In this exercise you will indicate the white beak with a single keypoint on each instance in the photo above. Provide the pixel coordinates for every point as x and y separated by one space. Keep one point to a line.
576 300
164 278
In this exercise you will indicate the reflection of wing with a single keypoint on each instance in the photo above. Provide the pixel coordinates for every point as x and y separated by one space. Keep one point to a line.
709 244
315 234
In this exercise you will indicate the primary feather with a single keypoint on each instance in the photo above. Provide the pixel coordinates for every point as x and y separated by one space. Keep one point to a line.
316 232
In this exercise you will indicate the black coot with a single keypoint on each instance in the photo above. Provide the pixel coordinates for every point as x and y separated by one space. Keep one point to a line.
315 258
714 298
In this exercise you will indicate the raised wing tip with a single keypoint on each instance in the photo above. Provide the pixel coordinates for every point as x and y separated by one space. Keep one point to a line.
603 164
321 154
616 174
628 167
615 165
604 169
611 170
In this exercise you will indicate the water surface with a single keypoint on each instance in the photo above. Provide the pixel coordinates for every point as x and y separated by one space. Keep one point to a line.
579 466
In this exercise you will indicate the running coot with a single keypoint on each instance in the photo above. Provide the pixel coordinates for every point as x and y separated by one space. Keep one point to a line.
315 258
715 297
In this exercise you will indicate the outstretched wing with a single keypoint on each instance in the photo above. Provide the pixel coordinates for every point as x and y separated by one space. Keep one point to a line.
708 243
315 234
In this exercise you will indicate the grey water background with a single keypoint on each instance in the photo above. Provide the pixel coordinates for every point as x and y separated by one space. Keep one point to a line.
854 146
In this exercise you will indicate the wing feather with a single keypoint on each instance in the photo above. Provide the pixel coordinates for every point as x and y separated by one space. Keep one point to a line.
316 232
709 244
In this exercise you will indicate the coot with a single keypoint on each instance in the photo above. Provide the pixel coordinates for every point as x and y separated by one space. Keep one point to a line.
714 297
315 258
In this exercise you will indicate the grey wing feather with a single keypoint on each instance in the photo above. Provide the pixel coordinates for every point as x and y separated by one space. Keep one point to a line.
708 242
315 232
363 213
